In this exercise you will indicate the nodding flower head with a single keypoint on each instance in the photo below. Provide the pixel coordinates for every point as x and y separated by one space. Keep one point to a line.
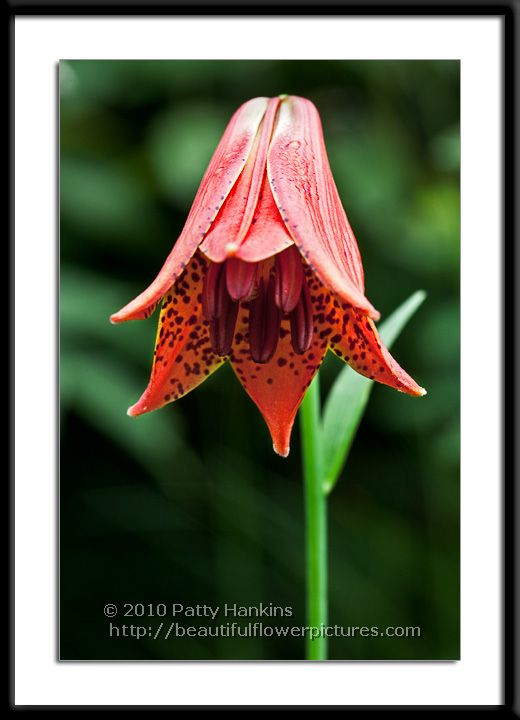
266 273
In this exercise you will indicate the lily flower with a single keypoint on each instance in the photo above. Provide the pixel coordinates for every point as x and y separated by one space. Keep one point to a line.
266 274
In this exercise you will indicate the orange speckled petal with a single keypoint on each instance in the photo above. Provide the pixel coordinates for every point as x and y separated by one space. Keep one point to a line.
225 167
183 355
278 386
306 195
355 339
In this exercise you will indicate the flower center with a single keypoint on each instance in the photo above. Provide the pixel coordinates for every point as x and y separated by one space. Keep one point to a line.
271 289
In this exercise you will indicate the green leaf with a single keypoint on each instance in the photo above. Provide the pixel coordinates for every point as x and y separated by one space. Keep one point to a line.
348 397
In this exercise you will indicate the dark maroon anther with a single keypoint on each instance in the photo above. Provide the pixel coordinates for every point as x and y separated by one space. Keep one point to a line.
264 322
240 278
301 320
222 329
289 279
219 309
214 292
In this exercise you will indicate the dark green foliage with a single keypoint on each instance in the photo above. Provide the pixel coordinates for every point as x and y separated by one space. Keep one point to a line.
190 504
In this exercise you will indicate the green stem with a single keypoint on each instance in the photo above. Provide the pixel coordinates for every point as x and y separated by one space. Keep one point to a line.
315 520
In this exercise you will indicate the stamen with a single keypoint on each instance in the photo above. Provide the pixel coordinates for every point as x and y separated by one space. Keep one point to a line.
213 291
219 309
240 278
264 322
301 320
289 279
222 330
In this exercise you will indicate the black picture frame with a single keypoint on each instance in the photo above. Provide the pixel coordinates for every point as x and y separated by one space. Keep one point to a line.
509 11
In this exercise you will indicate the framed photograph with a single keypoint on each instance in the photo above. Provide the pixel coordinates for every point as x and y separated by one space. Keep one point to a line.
261 445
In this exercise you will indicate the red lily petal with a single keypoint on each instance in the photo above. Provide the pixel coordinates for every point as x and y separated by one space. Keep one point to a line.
267 235
278 386
183 355
306 195
249 225
221 237
227 163
354 338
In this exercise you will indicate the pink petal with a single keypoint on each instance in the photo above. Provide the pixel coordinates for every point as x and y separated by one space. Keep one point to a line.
225 167
306 195
267 235
249 224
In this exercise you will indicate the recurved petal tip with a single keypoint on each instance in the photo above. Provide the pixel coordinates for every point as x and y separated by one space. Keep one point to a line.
359 344
401 381
409 388
281 451
116 318
140 407
280 428
404 382
138 309
129 312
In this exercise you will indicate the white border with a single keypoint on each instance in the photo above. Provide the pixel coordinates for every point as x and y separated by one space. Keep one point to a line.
39 679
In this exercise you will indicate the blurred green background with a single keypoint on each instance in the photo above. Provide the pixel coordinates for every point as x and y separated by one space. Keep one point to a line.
190 504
